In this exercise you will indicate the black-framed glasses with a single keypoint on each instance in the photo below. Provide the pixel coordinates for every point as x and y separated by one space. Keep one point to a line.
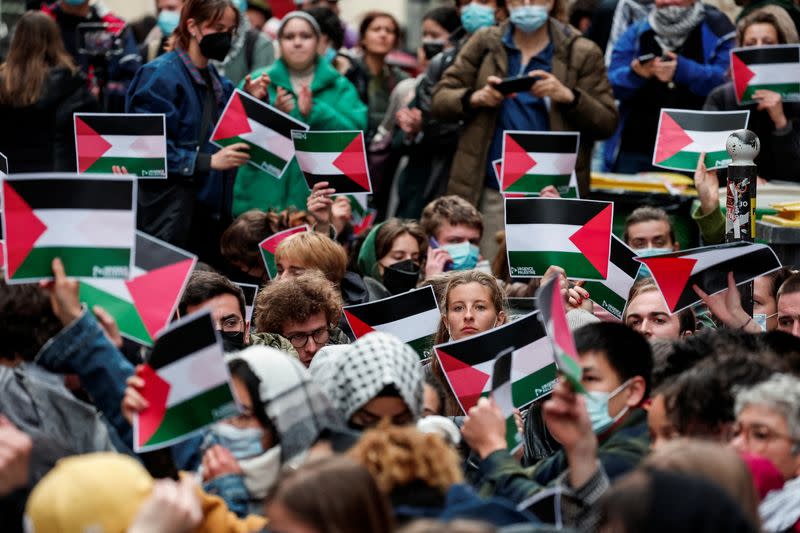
320 336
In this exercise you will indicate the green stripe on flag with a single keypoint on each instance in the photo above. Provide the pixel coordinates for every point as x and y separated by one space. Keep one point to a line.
138 166
196 412
524 263
537 182
423 346
128 320
606 298
688 160
780 88
324 142
264 160
78 261
536 385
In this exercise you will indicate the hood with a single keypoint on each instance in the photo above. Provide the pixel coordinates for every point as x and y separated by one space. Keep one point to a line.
367 367
293 402
367 257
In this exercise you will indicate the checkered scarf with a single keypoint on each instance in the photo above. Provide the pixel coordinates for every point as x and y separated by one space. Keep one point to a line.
373 362
294 403
673 24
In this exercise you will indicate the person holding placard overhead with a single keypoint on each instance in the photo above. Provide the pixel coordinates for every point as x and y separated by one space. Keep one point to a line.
192 207
310 90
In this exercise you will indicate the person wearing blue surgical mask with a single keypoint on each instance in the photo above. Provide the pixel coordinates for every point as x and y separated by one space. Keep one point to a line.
648 231
477 14
455 228
155 44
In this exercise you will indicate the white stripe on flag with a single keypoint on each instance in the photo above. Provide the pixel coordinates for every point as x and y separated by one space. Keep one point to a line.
774 73
320 163
531 358
540 237
270 140
114 287
707 260
144 146
502 396
194 374
707 141
95 228
618 281
412 327
549 164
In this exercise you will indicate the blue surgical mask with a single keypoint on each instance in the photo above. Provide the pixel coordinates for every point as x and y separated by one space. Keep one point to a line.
528 19
75 2
597 405
241 442
464 255
241 5
476 16
167 21
329 55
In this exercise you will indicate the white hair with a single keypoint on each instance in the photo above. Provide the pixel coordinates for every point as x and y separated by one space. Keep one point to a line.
781 393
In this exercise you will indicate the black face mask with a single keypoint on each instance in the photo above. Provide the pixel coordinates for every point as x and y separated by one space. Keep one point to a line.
232 342
401 277
431 48
216 45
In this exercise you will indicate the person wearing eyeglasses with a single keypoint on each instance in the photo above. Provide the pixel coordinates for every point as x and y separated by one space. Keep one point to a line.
305 310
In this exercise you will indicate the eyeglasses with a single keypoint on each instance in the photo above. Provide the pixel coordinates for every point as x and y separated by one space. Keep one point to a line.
320 336
759 434
230 324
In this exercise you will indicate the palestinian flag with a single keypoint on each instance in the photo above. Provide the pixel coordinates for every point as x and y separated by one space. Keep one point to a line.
774 68
707 267
250 291
3 165
186 384
623 269
268 246
87 221
573 234
136 142
280 8
338 157
554 317
468 364
363 215
568 191
267 130
502 394
683 135
144 304
534 160
412 317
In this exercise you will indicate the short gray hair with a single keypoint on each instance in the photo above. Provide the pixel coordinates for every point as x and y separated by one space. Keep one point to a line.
781 393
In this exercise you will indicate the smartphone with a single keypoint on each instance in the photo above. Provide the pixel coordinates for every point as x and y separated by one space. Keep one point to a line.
516 85
434 244
649 49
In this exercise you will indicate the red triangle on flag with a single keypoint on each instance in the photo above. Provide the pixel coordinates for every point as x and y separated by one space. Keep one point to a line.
2 253
280 8
359 327
593 239
234 121
155 293
671 138
516 162
467 381
270 244
23 228
562 335
353 162
91 145
671 275
742 74
156 392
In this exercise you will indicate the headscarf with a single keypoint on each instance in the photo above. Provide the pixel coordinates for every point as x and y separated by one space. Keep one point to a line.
369 365
294 403
368 256
673 24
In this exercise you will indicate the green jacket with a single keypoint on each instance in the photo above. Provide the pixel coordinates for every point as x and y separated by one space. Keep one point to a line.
336 106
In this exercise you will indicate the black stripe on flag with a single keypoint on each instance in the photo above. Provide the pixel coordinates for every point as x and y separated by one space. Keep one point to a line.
152 253
566 143
395 307
340 182
125 124
517 334
250 292
270 118
623 257
501 372
183 338
75 193
708 120
552 211
714 279
769 54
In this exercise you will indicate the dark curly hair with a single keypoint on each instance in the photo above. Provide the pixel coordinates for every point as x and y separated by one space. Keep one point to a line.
27 321
296 300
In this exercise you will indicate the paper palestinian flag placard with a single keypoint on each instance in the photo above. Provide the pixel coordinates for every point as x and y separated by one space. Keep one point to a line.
337 157
266 130
623 269
87 221
534 160
683 135
137 142
771 68
144 304
572 234
186 384
267 248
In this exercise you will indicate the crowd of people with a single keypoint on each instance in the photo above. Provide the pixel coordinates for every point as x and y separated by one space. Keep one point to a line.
689 421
